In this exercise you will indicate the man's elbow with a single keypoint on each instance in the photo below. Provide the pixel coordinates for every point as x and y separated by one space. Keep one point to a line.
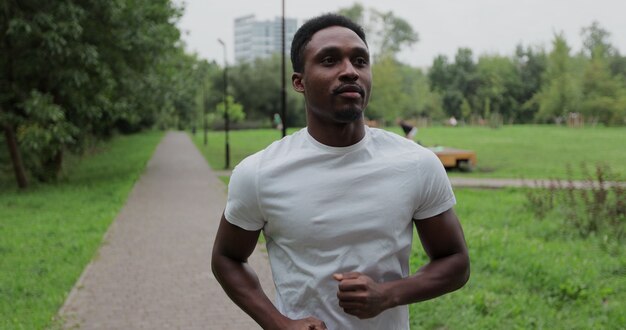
217 264
463 270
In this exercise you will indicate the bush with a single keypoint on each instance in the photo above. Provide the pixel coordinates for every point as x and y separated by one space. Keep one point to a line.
595 206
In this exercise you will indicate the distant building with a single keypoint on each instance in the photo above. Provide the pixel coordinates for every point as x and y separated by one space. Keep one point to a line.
260 39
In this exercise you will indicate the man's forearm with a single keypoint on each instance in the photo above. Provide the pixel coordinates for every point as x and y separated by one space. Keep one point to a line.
436 278
242 286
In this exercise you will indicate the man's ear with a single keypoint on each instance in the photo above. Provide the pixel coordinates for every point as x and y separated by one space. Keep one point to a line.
296 82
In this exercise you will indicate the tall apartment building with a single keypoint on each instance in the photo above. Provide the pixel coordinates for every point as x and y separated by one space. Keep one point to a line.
260 39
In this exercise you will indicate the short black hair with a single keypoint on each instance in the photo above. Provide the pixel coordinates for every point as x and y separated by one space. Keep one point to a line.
308 29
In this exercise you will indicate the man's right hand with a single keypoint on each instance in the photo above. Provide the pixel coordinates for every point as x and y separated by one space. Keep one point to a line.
309 323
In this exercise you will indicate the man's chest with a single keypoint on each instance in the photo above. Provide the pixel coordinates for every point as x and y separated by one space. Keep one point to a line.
316 205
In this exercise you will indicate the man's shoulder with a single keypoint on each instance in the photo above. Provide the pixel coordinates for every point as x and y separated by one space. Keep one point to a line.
386 137
393 146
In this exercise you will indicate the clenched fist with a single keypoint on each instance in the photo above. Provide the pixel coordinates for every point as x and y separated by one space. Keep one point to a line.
360 296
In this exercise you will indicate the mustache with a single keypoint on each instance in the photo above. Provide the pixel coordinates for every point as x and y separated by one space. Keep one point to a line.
349 88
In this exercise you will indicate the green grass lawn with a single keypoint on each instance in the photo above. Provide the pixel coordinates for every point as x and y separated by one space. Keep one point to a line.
526 273
526 151
522 151
50 232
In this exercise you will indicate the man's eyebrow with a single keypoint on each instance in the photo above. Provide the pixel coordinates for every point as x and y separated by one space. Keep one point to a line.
335 49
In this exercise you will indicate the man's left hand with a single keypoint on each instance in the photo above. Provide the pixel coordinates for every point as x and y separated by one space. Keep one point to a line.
360 296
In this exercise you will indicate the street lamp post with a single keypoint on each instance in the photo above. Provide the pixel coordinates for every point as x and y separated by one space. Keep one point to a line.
205 125
283 94
226 119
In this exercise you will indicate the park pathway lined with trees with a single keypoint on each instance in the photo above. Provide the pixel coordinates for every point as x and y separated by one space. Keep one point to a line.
153 268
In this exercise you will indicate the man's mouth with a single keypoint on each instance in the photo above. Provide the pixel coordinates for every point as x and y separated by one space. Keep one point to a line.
350 91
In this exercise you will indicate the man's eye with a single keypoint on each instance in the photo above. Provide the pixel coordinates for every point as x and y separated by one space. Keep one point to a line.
360 61
328 60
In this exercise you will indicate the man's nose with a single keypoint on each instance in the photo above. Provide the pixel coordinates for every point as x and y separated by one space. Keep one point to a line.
348 71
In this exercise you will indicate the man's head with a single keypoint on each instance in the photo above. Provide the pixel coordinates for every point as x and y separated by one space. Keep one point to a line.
332 69
308 29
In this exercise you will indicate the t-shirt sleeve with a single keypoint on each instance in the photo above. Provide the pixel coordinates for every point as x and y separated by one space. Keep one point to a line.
242 206
436 195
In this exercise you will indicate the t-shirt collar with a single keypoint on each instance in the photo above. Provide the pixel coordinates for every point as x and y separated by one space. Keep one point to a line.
338 150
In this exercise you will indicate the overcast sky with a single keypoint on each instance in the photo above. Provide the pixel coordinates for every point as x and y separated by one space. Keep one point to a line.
485 26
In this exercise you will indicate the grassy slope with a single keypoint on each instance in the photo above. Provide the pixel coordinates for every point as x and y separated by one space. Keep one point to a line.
49 233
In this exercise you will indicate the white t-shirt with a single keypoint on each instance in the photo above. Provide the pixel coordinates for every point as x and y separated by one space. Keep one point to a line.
326 210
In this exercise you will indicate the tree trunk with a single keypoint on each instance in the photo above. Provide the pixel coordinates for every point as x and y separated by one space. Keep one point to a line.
16 158
58 163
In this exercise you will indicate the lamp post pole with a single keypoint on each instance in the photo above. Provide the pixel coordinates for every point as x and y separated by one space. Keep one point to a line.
205 125
226 119
283 94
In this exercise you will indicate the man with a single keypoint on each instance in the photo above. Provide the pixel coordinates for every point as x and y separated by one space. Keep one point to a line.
337 202
409 130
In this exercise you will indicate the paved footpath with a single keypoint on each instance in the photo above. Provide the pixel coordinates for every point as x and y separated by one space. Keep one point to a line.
153 269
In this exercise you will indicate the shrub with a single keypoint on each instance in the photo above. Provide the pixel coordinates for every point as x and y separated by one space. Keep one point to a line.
594 206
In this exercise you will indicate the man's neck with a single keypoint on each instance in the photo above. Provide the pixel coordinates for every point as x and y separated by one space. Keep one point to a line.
337 134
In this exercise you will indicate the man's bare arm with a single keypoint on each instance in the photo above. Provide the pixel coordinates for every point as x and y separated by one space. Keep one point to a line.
447 270
233 246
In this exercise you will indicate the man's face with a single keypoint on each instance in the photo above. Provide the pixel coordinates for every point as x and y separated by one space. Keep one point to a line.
337 77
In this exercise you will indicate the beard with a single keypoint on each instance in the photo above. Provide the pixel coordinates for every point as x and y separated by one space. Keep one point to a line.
348 115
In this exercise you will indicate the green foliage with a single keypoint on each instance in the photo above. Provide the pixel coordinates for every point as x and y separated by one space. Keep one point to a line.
235 110
263 75
560 93
47 131
421 102
596 41
387 34
604 96
49 233
603 92
390 32
457 83
388 95
531 64
498 79
598 210
356 13
525 274
74 71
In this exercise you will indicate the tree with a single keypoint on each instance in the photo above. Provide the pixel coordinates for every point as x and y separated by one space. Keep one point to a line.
604 96
560 92
498 79
387 33
387 96
356 13
261 104
74 71
421 101
391 33
235 110
43 53
456 82
596 41
604 93
530 64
